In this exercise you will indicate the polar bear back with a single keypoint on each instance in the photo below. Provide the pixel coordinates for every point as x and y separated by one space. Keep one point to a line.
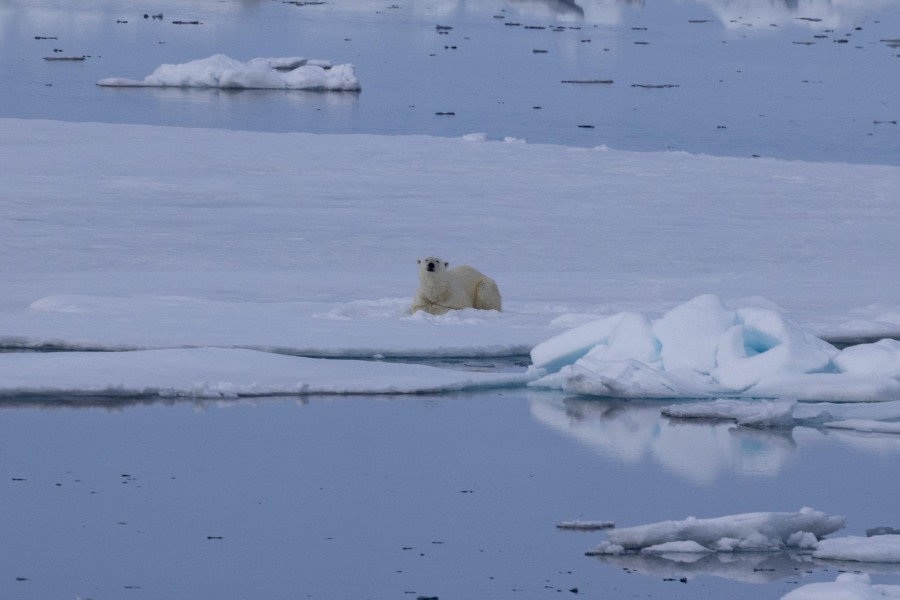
481 289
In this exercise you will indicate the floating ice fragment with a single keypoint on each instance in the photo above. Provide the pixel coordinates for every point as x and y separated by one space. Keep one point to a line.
748 532
688 547
585 525
221 71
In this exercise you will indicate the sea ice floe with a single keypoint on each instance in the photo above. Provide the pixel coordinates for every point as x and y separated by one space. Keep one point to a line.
748 532
703 349
877 548
222 372
847 586
221 71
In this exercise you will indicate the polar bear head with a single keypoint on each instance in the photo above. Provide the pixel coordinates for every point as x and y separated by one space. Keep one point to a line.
432 264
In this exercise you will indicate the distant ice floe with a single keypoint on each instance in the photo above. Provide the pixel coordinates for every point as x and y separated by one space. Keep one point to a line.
804 532
756 547
220 71
748 532
702 349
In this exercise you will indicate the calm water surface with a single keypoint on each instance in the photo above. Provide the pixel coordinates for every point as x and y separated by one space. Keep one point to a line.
813 80
451 496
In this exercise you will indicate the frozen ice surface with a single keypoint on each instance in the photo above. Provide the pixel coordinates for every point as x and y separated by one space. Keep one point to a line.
218 372
197 238
220 71
749 532
847 586
877 549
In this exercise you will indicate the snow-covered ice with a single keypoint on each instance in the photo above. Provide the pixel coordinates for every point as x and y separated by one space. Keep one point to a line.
220 71
219 372
748 532
305 245
847 586
701 349
877 549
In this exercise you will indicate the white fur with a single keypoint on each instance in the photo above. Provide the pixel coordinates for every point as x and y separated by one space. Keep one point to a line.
443 289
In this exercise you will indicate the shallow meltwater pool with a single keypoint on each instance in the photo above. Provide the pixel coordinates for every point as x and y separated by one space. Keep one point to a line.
448 496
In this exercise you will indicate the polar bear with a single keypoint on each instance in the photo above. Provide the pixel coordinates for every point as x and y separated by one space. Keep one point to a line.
442 289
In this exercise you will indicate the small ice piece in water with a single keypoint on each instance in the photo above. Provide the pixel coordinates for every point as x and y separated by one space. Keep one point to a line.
688 547
605 548
585 525
882 531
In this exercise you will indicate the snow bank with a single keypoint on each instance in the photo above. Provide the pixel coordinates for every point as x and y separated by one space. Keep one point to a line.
847 586
215 373
220 71
701 348
749 532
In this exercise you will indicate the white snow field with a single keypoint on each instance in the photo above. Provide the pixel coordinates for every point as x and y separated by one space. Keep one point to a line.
125 237
221 71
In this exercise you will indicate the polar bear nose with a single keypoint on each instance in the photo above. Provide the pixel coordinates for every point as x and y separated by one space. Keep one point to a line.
430 266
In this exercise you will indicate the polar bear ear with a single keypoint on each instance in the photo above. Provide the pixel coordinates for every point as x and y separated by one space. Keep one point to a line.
446 264
418 261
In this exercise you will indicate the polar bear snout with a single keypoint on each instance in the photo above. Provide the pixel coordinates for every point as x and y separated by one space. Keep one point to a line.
430 266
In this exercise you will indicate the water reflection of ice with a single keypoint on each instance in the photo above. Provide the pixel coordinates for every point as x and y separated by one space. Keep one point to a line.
631 431
748 567
224 98
817 14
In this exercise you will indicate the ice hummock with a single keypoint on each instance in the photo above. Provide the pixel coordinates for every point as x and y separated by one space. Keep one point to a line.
748 532
221 71
704 349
